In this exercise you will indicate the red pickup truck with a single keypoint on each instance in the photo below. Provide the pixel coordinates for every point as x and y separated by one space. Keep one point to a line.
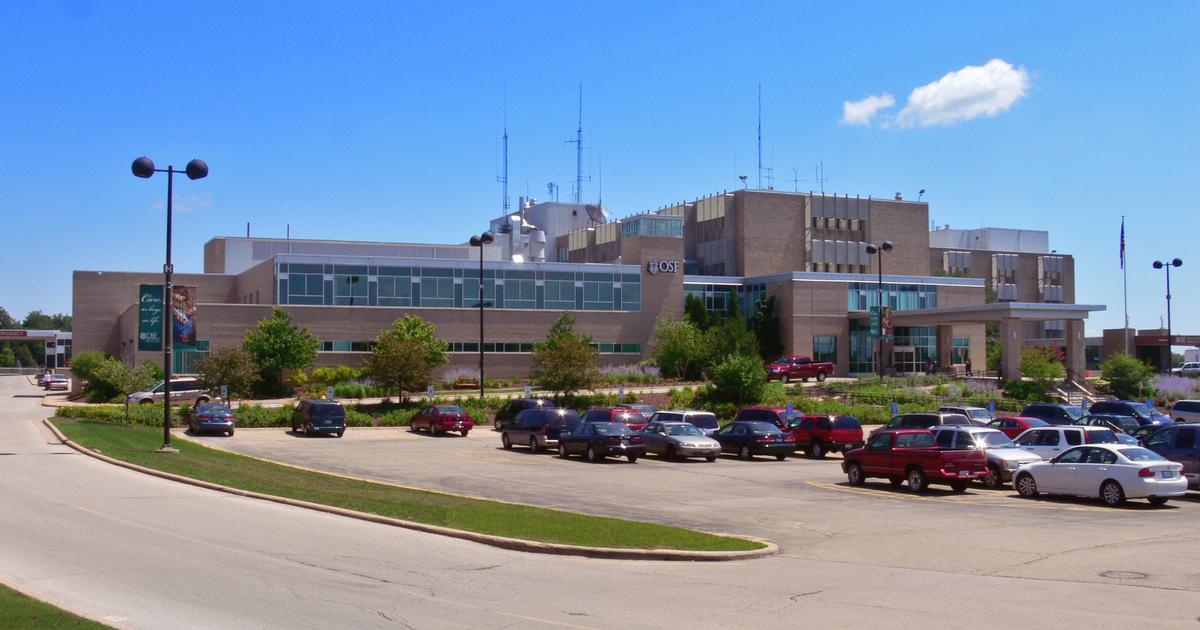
786 369
899 454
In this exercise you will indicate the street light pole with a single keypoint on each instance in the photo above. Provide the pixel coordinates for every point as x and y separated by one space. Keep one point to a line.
1158 264
196 169
886 246
479 241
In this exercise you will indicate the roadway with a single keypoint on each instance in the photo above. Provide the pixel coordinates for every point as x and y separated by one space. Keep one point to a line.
141 552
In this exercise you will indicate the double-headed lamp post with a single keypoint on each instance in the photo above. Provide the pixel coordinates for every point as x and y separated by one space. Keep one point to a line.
873 250
479 241
1158 264
196 169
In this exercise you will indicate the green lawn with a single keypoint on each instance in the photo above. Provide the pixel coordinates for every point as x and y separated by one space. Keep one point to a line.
18 611
137 444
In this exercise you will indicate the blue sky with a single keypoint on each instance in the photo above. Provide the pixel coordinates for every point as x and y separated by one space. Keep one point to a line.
381 121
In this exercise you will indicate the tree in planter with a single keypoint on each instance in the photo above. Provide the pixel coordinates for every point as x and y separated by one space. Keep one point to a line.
230 366
678 347
739 379
1127 377
566 361
765 325
399 364
278 344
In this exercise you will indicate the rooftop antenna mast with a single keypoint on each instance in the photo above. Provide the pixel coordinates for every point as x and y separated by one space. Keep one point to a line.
760 166
819 170
578 141
503 179
796 179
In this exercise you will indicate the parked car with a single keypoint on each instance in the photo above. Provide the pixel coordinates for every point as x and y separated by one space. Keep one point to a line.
216 417
319 416
1145 414
1127 428
539 428
1003 456
645 410
777 416
800 368
750 438
706 421
598 440
60 382
1180 444
1186 411
900 454
510 409
1053 413
442 418
631 418
924 420
819 434
1109 471
1048 442
1013 426
675 440
1188 369
184 389
978 415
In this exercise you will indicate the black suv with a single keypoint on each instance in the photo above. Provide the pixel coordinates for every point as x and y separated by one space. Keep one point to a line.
1053 413
319 416
505 415
539 428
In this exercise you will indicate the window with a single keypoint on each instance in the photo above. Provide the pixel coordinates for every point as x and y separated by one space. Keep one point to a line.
945 439
880 442
914 440
825 348
1186 438
1162 439
1074 438
1073 456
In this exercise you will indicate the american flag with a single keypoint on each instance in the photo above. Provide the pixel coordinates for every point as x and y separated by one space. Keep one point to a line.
1122 242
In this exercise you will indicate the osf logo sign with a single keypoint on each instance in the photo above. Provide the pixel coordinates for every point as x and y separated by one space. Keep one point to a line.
662 266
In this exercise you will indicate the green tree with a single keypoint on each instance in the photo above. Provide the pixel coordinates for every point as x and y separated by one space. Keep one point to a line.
765 325
413 328
694 311
230 366
25 357
323 377
6 320
116 380
739 379
1127 377
1043 364
731 337
566 361
678 347
278 344
7 358
399 364
86 364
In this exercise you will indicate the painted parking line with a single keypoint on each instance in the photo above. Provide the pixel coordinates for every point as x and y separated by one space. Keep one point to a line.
962 499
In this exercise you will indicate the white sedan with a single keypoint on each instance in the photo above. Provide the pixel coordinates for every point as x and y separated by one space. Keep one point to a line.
1114 472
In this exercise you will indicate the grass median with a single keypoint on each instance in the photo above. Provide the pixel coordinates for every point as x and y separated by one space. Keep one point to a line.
21 611
137 444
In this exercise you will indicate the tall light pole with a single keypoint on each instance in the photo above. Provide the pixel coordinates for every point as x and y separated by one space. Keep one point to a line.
1158 264
196 169
479 241
872 250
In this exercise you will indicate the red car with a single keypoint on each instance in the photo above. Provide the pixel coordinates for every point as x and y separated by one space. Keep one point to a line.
631 418
777 416
797 368
442 418
899 454
821 433
1016 425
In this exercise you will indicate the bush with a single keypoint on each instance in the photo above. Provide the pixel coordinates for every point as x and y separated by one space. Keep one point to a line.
248 416
1169 387
1026 390
740 379
1127 377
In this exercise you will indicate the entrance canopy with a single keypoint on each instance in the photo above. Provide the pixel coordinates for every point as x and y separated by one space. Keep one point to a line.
58 343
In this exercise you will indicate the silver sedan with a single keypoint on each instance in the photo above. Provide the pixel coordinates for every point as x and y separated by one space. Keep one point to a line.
675 440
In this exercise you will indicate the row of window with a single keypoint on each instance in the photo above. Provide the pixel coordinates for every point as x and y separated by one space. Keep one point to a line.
473 346
862 296
718 297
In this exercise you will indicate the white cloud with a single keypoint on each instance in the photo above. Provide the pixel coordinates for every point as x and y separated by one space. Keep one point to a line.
186 203
861 112
964 94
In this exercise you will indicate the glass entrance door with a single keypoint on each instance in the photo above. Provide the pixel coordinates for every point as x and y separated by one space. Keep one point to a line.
904 360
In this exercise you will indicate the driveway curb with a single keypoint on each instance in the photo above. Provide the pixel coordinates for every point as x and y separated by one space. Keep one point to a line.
514 544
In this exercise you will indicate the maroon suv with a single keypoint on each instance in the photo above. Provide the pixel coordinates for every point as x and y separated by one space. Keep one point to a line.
631 418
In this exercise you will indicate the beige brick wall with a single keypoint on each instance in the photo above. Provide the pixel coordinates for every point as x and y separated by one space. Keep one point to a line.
906 225
770 232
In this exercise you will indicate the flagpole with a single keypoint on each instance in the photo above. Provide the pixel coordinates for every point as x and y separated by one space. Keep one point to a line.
1125 285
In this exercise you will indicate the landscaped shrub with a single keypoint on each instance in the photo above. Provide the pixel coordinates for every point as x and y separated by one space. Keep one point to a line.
1169 387
248 416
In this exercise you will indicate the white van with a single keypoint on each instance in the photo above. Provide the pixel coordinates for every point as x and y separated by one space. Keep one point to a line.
183 389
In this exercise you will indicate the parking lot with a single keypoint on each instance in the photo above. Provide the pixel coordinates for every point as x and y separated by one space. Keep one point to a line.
804 505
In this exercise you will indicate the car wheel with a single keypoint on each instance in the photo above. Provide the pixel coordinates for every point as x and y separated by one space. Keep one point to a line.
711 458
1112 493
820 377
562 450
341 433
896 481
592 456
672 454
816 450
412 427
231 433
784 379
465 432
1026 486
916 480
993 479
744 453
1157 500
505 442
958 486
854 474
533 445
781 456
632 458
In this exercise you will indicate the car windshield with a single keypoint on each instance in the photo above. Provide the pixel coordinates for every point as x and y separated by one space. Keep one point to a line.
846 422
562 416
682 429
1074 413
609 428
762 428
1145 410
211 408
450 409
992 439
703 420
1139 454
629 416
320 410
955 418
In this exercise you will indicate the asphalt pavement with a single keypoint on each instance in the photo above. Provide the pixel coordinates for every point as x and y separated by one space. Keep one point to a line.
141 552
